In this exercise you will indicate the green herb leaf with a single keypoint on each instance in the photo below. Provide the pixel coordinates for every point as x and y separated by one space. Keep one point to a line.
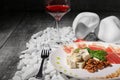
77 50
99 54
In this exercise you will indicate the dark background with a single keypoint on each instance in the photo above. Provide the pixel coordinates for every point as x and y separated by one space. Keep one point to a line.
23 18
77 5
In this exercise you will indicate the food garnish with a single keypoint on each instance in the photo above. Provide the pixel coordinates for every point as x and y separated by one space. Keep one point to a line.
99 54
90 59
77 50
68 49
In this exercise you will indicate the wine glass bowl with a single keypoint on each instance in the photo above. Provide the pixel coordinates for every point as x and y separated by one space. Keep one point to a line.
57 9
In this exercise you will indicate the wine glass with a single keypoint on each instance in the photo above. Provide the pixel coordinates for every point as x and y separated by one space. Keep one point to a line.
57 9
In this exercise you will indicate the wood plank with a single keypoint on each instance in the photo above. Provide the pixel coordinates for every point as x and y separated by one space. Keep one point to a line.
8 23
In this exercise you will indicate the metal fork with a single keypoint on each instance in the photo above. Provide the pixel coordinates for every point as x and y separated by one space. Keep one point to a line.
44 54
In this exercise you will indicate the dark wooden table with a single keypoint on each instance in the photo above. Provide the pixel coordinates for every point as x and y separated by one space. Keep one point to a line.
17 28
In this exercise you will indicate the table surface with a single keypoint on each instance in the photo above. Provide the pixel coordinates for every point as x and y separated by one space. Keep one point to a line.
17 28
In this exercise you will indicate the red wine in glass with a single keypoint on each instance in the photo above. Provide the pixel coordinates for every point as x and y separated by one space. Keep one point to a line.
57 9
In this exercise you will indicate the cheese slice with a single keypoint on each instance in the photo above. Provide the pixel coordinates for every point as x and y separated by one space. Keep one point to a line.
85 54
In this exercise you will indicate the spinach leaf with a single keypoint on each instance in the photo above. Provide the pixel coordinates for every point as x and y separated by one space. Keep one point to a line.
99 54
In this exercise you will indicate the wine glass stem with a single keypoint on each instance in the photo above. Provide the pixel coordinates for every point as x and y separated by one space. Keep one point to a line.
58 32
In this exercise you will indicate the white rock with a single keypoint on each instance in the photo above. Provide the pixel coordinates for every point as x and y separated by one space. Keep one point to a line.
30 50
32 42
47 77
18 73
26 61
37 35
54 77
24 56
20 65
16 78
30 72
49 68
53 72
49 64
33 78
33 60
24 68
27 45
109 29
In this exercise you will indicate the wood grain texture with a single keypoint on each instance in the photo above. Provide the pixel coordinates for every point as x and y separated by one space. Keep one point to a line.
9 52
8 23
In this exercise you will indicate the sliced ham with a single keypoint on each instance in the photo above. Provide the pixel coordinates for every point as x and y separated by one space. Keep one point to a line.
110 49
113 58
113 54
96 47
81 45
68 49
109 59
115 50
118 54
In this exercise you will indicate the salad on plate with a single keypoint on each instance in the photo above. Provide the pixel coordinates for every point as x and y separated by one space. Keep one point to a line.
86 60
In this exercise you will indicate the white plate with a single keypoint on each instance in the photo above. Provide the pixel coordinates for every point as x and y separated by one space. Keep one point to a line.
58 60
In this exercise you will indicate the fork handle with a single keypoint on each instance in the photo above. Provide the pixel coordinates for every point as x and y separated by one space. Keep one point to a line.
39 75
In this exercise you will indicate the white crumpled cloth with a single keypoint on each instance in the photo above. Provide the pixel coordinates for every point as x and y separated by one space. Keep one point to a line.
109 29
30 59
